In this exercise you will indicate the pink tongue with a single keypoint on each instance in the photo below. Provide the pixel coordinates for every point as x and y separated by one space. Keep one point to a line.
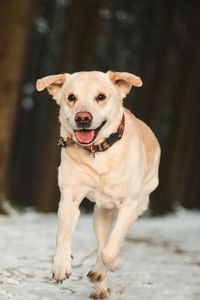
85 136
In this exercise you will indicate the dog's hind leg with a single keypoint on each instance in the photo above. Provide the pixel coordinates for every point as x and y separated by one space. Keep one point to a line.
126 216
103 219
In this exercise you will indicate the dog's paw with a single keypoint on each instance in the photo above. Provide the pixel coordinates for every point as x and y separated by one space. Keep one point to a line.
61 269
113 265
111 262
99 294
97 274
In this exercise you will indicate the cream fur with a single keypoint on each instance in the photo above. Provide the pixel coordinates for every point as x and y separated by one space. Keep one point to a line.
118 180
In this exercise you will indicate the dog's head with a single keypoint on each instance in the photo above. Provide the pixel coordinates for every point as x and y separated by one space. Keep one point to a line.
89 101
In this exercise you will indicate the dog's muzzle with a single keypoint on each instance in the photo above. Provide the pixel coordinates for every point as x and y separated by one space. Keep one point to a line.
87 136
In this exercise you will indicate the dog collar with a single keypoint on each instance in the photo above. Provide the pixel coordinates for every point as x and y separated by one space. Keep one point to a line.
105 145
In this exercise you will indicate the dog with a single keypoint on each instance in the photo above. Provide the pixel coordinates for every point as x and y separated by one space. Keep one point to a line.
109 156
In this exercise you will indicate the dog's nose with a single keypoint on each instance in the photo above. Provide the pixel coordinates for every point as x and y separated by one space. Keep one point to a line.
83 119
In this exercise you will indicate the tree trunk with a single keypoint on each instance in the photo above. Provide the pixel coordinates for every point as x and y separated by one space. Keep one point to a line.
14 25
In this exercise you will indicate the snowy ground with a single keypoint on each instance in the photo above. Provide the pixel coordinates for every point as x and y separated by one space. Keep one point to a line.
161 259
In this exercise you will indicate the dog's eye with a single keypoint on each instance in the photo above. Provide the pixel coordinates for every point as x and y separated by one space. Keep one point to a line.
71 98
100 97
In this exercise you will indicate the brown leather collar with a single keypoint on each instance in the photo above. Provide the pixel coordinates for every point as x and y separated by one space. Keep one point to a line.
105 145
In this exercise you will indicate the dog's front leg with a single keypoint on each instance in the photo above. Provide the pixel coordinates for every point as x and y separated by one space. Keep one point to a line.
126 216
68 214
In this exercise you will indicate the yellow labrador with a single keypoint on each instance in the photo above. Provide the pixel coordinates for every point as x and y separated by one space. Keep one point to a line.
108 156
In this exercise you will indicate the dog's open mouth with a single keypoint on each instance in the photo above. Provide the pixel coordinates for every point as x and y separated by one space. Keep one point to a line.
87 136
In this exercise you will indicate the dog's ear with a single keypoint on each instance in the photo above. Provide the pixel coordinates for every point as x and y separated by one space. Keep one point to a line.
124 81
53 83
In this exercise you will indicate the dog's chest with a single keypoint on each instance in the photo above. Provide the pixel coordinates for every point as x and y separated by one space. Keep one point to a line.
106 177
108 191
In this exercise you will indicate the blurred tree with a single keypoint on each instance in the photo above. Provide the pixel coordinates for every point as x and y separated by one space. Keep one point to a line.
15 20
83 26
37 157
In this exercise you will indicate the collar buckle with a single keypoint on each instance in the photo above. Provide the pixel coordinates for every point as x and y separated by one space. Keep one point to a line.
62 142
91 151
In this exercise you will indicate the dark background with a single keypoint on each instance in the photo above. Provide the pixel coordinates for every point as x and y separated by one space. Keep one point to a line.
157 40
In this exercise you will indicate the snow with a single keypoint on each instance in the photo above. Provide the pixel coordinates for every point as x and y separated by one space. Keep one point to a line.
161 259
